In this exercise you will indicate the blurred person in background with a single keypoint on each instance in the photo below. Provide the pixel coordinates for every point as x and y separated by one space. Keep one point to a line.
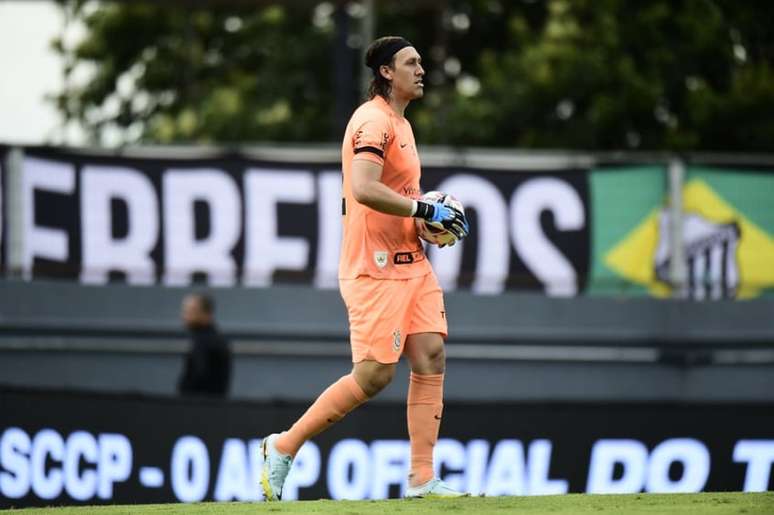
393 298
207 369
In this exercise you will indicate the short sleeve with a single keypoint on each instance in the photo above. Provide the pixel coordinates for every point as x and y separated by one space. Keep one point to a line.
371 138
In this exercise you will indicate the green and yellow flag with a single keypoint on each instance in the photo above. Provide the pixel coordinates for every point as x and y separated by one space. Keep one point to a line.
728 232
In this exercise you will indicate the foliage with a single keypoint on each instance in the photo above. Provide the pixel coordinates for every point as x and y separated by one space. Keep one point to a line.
201 74
581 74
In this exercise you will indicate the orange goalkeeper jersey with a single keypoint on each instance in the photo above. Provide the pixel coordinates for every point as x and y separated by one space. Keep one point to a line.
376 244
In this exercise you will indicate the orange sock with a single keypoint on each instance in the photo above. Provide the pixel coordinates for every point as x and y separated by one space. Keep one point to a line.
336 401
425 406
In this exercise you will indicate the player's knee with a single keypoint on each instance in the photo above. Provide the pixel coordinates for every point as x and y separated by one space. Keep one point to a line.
381 377
431 359
372 379
436 359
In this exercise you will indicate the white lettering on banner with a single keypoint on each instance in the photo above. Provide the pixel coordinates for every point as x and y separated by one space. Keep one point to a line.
390 466
47 464
650 473
239 472
184 254
265 251
759 456
475 471
506 469
102 253
47 445
190 453
491 235
45 242
538 465
305 471
151 477
329 229
631 454
537 252
234 480
357 471
15 447
115 462
694 457
84 466
81 447
255 461
349 466
450 454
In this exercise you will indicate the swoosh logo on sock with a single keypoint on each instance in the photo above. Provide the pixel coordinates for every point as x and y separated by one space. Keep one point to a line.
437 417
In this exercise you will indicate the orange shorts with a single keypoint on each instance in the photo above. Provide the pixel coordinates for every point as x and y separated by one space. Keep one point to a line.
382 312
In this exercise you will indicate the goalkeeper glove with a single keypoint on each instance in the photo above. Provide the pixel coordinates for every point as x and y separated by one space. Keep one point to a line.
449 217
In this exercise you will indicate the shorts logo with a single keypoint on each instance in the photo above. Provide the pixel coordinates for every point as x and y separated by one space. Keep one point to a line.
380 257
396 340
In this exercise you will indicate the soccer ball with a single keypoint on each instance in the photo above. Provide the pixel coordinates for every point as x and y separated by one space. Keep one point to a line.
433 232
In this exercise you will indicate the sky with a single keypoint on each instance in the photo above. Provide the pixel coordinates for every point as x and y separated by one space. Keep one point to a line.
30 71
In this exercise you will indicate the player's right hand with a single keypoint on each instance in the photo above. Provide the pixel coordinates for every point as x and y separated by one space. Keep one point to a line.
454 221
448 217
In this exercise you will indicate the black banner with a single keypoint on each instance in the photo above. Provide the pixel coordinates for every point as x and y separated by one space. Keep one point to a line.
58 448
3 203
230 220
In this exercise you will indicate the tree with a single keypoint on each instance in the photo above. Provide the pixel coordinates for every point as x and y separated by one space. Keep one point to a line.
580 74
613 74
166 73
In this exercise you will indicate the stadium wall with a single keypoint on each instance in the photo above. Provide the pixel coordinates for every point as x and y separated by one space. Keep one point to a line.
510 347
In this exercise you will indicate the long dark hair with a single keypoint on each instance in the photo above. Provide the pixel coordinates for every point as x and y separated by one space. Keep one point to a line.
379 85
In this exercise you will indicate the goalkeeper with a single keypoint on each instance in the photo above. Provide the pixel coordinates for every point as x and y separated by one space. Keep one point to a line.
393 299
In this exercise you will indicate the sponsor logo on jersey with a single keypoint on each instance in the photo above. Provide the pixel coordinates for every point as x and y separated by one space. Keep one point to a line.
403 258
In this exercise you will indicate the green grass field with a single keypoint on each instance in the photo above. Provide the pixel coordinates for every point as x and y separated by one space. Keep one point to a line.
704 503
